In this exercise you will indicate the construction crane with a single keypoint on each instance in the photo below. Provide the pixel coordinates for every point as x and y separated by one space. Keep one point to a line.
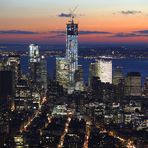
72 14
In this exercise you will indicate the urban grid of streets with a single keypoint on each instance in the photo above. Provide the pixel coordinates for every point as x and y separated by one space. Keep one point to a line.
70 115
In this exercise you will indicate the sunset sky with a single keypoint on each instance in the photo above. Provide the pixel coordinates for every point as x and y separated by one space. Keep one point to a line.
44 21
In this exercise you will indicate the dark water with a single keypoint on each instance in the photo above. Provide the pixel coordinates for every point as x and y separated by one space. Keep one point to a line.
128 65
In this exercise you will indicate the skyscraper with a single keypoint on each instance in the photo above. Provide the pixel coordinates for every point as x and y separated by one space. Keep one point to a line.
34 53
79 79
72 52
43 75
62 75
13 63
133 84
93 71
66 67
119 82
117 76
105 70
101 68
22 96
145 89
6 83
34 63
6 93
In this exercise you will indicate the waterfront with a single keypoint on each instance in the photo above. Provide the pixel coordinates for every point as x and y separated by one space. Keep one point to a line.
127 64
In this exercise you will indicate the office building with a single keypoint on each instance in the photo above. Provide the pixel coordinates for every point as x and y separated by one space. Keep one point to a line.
43 71
133 84
93 71
67 66
117 75
34 64
105 70
119 82
34 53
72 52
13 63
101 68
22 96
145 89
62 72
79 83
6 93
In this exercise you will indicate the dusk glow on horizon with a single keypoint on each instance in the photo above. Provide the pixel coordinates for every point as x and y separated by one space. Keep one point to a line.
44 21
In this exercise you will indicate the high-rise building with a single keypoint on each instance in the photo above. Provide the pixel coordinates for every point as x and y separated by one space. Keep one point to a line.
67 67
72 52
133 84
96 87
101 68
93 71
43 70
119 82
6 83
13 63
117 76
102 91
6 92
105 70
79 79
22 96
145 90
62 72
34 63
34 53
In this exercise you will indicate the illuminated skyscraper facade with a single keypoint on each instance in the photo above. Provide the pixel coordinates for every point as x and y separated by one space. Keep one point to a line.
34 63
43 74
62 75
101 68
105 70
34 53
66 67
72 53
13 63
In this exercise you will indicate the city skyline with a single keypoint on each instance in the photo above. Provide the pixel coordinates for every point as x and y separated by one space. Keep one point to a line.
91 92
99 21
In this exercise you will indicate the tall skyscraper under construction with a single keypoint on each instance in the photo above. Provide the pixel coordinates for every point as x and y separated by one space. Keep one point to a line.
67 67
72 52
